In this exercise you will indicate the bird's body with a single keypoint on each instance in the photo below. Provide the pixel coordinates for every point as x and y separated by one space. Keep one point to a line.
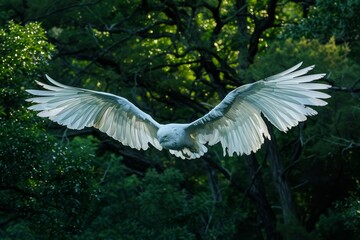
173 136
236 122
179 141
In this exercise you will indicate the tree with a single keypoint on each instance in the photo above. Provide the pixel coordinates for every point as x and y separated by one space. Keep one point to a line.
175 60
43 186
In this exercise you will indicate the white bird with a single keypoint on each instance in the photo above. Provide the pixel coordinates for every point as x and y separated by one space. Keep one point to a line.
236 122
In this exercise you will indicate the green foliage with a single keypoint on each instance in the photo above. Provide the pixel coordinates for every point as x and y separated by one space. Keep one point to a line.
24 54
45 189
156 206
294 231
328 57
24 51
174 59
329 19
343 220
43 184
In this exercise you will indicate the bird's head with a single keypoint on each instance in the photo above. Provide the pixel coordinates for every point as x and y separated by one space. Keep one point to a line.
164 135
171 136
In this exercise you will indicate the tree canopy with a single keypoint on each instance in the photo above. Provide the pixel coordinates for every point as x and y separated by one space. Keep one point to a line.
176 60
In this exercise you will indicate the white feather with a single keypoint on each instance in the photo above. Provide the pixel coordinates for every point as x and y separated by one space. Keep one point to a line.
236 122
282 99
77 108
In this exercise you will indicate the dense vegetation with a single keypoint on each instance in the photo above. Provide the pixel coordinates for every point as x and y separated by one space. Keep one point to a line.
175 60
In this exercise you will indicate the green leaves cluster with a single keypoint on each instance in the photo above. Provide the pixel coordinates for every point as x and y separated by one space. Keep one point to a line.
24 55
45 189
343 220
43 183
24 51
330 19
156 205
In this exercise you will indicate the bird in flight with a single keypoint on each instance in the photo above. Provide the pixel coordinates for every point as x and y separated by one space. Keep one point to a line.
236 122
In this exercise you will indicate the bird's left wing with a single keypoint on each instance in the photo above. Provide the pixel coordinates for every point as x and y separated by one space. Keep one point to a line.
236 121
77 108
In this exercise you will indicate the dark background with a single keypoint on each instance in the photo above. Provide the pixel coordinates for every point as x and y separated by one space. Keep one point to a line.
176 60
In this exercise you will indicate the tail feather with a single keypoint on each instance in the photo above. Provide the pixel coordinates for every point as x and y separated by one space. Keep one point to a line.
187 153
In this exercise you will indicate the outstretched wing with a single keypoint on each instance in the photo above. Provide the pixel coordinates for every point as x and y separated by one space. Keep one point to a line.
77 108
283 99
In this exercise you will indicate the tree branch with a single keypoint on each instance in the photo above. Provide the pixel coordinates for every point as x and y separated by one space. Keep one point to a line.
63 9
260 26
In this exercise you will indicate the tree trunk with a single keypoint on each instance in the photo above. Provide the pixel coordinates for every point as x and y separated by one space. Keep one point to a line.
257 193
241 7
279 176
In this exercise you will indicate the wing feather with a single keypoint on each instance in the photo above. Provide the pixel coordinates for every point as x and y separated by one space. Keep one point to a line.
77 108
283 99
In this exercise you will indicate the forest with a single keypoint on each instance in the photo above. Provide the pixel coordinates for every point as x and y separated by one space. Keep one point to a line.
176 60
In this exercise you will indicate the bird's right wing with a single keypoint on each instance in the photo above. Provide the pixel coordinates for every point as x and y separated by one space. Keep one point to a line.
77 108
